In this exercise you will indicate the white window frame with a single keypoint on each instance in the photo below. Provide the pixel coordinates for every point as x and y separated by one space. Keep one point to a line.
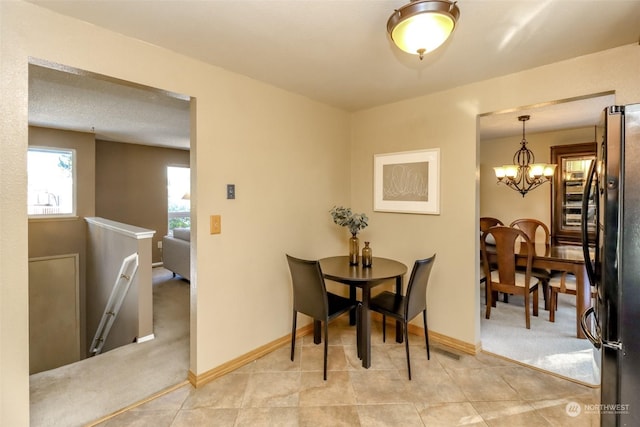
176 214
74 166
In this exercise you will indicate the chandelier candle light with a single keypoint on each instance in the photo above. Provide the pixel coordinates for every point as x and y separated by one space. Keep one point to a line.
421 26
524 174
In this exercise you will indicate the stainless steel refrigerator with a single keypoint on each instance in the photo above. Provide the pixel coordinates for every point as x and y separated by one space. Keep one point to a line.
613 324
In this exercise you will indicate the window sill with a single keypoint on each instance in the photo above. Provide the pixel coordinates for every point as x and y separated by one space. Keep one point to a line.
43 218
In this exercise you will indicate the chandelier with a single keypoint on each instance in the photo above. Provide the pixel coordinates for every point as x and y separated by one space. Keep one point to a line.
524 174
421 26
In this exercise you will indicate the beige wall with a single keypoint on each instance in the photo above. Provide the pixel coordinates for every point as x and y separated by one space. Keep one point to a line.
287 155
131 185
49 237
291 159
448 120
499 201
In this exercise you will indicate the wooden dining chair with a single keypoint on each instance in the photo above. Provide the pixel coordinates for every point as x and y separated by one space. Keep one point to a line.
506 278
531 227
486 222
562 283
405 308
310 297
534 228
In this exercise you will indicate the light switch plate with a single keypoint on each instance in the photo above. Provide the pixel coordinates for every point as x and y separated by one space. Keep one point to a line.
231 191
215 224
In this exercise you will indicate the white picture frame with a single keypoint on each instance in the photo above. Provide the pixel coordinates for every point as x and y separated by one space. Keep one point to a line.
407 182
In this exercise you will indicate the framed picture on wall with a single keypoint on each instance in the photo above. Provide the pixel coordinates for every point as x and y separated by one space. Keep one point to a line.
407 182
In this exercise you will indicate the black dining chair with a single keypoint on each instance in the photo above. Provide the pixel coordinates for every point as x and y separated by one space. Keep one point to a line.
405 308
310 297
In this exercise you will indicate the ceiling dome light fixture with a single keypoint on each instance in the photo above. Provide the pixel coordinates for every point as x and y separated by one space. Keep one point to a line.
524 174
421 26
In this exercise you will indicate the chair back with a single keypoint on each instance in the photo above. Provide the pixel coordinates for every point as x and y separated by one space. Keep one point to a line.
309 290
486 222
530 227
416 299
505 246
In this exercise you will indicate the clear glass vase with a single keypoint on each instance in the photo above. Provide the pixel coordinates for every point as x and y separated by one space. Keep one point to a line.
354 249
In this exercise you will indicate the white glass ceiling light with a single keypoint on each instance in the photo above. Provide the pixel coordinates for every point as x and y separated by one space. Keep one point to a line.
422 26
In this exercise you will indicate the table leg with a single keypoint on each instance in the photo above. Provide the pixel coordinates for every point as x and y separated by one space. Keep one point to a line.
583 297
317 332
352 313
365 321
399 334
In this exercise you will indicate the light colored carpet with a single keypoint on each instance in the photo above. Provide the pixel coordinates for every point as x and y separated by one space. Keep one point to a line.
550 346
82 392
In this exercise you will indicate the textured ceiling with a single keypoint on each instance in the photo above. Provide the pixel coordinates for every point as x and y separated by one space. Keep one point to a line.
564 114
337 52
112 110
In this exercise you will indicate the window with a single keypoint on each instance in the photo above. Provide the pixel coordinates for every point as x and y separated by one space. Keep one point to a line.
179 195
51 182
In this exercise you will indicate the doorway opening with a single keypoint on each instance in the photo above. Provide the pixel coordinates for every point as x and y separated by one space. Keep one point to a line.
124 136
550 346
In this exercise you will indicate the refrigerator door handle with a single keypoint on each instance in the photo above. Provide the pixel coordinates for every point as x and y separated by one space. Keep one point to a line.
596 340
589 263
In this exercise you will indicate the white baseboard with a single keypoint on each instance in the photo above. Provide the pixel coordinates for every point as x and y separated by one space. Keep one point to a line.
145 338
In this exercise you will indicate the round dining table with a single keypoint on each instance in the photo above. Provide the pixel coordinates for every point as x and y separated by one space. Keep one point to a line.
338 269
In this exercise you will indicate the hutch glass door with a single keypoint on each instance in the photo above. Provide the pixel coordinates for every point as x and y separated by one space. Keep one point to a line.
569 184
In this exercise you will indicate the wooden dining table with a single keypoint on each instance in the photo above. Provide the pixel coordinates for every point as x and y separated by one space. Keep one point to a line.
382 270
559 258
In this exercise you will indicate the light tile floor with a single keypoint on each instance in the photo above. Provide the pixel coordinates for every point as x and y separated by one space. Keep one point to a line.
451 389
